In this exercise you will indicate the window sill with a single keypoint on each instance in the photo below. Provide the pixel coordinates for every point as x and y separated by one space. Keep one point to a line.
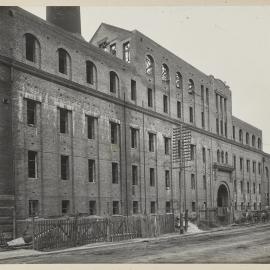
33 178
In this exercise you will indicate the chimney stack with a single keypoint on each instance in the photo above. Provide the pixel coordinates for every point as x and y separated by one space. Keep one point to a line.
66 17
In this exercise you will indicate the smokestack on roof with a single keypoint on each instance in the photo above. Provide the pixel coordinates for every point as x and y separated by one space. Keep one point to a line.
66 17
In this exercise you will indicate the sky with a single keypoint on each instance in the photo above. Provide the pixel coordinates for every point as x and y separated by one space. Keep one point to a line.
230 42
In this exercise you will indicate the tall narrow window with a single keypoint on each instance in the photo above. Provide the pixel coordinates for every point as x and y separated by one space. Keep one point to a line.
113 49
202 115
114 133
222 157
31 112
90 127
217 125
178 80
65 207
203 155
193 181
240 135
241 186
241 164
192 152
259 168
218 156
150 97
152 207
152 177
233 129
64 167
207 96
191 87
165 104
226 157
178 109
248 165
32 164
114 82
193 206
135 207
134 139
116 208
31 48
126 52
115 173
167 146
221 127
33 208
253 141
63 117
202 95
248 189
259 143
149 65
254 166
134 175
254 188
91 171
225 128
165 77
62 61
204 182
133 90
167 179
92 208
151 140
90 72
247 138
168 207
190 114
234 162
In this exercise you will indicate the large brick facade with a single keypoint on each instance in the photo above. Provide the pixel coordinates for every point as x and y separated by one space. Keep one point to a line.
214 131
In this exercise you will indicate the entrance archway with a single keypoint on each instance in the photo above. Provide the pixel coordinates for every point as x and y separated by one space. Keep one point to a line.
222 196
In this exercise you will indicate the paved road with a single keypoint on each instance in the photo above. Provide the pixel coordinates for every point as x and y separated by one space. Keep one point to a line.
238 245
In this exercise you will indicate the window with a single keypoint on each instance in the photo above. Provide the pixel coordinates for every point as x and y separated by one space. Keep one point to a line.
115 173
217 102
218 156
92 208
165 104
248 165
259 143
64 167
91 171
178 109
222 157
190 114
150 97
242 206
248 190
149 65
65 207
207 96
126 52
235 206
115 207
151 142
135 206
90 127
217 125
241 186
134 133
191 87
254 166
63 61
134 175
167 179
202 95
259 188
166 146
114 133
114 82
32 164
193 206
202 115
204 182
247 138
203 155
234 185
113 49
225 128
33 208
31 112
234 162
32 48
254 188
90 72
241 164
152 207
253 140
233 134
168 207
178 80
165 77
192 152
152 177
226 158
192 181
63 117
240 135
221 127
259 168
133 90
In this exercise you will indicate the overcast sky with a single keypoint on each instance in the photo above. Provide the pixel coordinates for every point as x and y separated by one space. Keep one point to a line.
232 43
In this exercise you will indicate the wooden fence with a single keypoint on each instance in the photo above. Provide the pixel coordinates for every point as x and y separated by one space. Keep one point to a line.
70 232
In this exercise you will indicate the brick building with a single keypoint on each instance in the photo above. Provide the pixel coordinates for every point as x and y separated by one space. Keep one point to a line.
86 127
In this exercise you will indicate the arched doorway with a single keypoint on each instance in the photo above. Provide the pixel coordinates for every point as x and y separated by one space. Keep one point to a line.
222 196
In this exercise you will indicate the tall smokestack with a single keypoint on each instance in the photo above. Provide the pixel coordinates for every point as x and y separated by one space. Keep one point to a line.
66 17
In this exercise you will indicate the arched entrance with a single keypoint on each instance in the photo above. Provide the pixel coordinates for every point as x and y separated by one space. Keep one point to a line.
223 202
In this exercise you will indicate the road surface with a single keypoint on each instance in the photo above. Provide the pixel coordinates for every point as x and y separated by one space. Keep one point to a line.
238 245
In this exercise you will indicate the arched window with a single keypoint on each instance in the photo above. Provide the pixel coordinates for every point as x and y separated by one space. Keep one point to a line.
91 73
218 156
165 76
222 157
178 80
191 86
247 138
114 82
253 140
259 143
149 65
32 48
240 135
226 157
64 61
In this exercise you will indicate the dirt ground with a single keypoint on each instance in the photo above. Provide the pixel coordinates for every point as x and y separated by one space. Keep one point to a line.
238 245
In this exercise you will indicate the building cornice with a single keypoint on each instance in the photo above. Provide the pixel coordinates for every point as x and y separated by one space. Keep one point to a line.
92 92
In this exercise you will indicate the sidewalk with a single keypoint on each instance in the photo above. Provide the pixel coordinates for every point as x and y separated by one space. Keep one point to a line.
30 252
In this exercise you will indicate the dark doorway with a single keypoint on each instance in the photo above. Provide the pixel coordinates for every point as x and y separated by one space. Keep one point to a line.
222 198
